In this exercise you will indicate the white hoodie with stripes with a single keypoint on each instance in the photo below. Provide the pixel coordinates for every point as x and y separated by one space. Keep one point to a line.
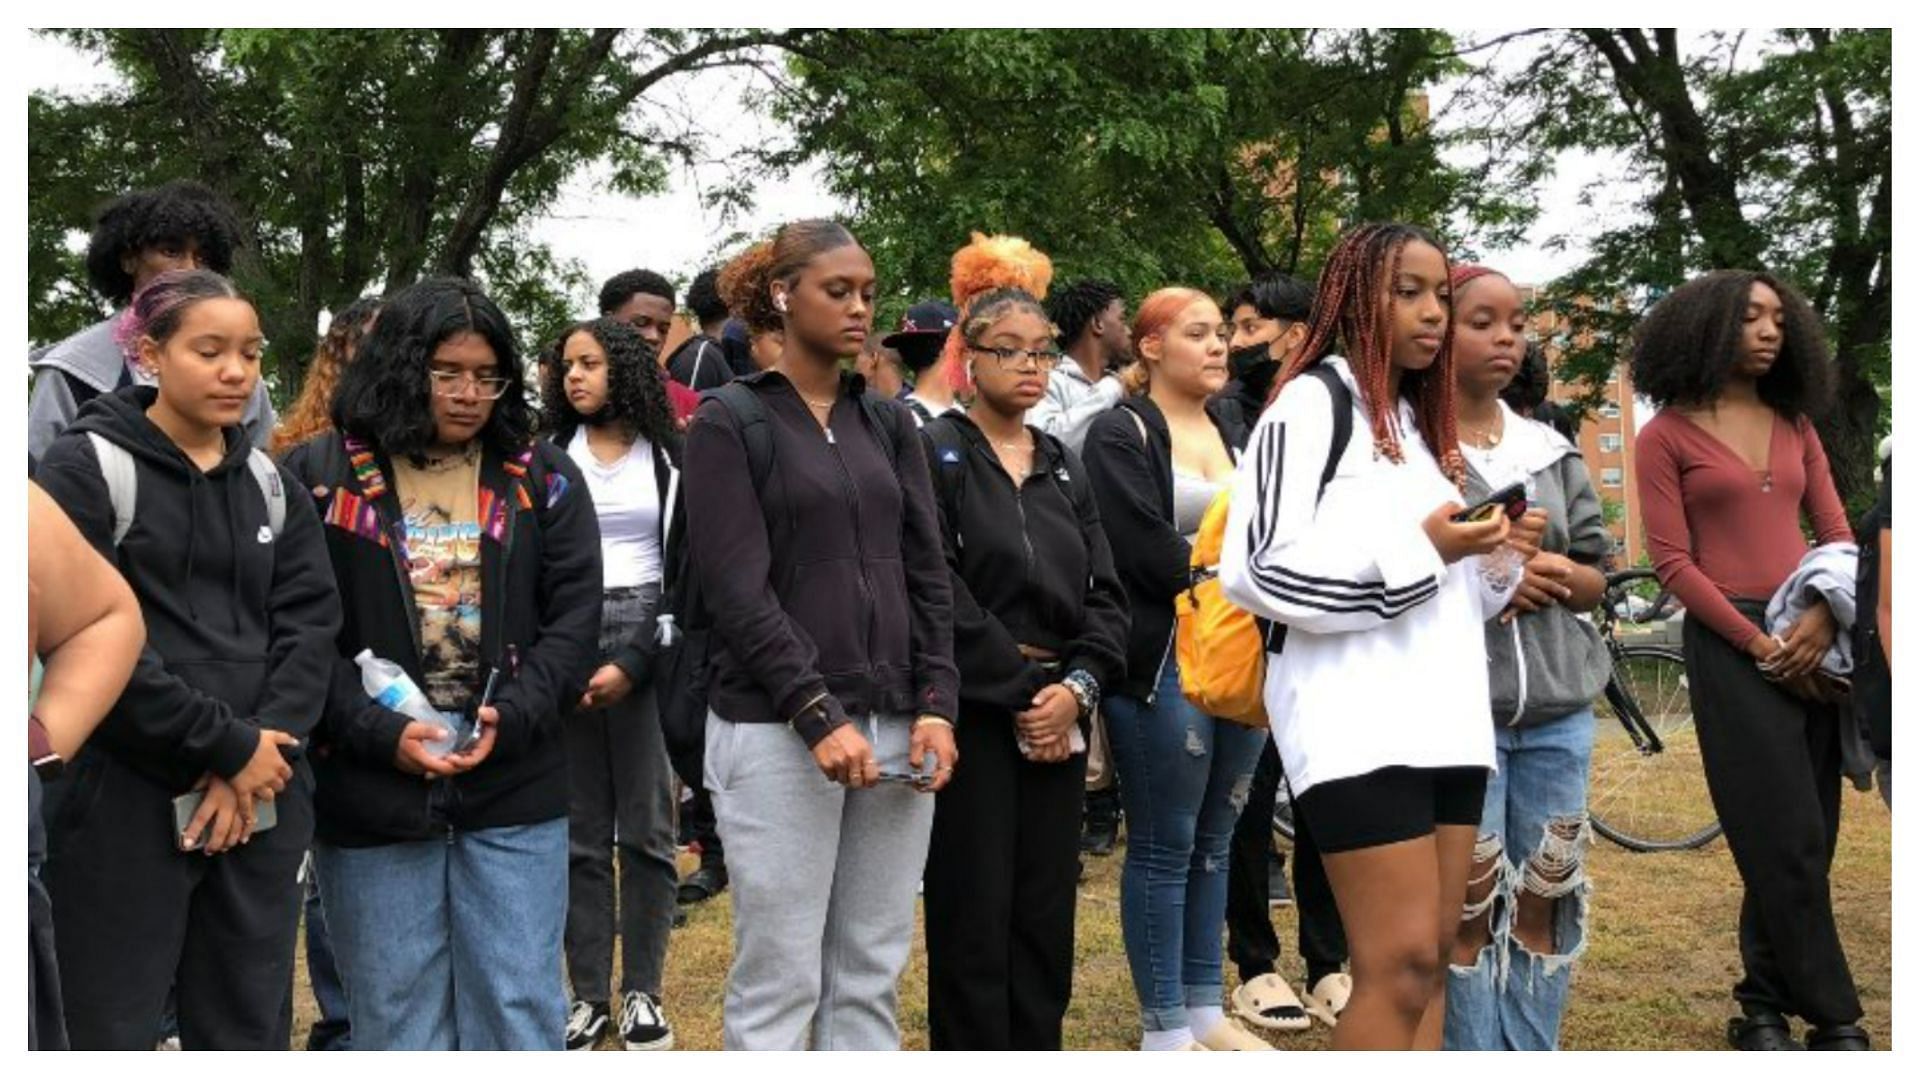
1385 658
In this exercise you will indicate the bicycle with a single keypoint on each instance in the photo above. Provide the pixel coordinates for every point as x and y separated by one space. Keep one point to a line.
1648 787
1647 791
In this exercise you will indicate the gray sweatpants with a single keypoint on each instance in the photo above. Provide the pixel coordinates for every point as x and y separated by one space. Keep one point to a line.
823 884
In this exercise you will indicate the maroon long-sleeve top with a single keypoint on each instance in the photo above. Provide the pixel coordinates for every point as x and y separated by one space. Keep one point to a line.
1716 530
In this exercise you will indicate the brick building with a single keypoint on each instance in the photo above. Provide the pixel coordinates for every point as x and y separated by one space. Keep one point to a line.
1606 438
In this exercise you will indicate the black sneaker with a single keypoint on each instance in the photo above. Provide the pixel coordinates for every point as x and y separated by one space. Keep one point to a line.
703 883
642 1024
585 1021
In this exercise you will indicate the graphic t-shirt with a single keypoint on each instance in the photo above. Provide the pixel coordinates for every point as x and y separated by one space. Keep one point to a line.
441 501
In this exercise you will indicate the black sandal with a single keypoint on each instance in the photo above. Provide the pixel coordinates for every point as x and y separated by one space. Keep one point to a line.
1845 1036
1765 1031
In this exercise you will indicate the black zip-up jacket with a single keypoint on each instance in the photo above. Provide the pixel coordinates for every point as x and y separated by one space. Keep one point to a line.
239 623
539 622
1133 481
1030 565
826 591
635 657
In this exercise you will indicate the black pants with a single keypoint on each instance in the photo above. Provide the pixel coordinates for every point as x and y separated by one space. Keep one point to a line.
134 915
1251 942
1773 768
1001 875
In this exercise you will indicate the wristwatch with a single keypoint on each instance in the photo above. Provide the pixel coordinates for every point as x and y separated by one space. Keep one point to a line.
40 752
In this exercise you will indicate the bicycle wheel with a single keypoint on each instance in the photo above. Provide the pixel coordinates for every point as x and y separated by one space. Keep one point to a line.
1649 794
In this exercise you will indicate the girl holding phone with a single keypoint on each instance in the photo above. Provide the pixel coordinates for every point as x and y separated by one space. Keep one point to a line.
1377 691
239 611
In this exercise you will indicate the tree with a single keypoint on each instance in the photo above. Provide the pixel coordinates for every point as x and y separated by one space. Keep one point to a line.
1777 158
1145 156
360 159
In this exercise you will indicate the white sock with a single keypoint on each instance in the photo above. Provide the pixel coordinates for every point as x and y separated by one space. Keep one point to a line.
1203 1020
1154 1041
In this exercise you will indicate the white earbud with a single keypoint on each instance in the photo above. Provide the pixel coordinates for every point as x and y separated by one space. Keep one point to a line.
780 302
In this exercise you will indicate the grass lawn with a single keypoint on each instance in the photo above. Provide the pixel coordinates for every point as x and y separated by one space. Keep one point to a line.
1661 960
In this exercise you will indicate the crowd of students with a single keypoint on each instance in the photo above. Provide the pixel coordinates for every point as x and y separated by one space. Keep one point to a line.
460 639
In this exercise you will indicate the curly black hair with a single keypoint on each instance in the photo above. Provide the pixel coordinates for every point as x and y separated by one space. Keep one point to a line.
636 387
384 397
1684 347
703 297
1073 306
622 287
1274 295
173 214
1530 385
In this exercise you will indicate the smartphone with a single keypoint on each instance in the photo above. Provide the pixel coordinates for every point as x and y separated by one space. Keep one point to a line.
265 816
1511 499
470 741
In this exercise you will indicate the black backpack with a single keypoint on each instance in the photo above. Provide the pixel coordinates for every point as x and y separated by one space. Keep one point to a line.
681 665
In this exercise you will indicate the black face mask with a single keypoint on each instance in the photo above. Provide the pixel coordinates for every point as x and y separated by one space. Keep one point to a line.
1241 361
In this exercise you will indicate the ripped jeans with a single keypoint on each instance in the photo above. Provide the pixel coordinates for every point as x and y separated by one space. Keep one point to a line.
1184 777
1534 837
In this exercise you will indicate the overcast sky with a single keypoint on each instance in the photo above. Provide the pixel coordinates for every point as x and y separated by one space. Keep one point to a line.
675 234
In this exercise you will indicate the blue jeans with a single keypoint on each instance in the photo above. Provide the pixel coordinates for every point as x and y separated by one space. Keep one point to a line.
331 1030
1533 840
1184 777
452 943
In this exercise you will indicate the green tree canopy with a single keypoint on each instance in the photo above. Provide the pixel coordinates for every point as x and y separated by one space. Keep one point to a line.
359 159
1145 156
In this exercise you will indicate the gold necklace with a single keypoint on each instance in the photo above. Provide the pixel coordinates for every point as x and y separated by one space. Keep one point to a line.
1486 439
817 404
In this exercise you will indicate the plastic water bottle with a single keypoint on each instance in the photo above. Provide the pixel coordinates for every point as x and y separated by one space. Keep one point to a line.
391 688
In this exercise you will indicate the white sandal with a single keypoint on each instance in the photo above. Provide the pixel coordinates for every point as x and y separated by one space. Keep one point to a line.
1328 997
1269 1003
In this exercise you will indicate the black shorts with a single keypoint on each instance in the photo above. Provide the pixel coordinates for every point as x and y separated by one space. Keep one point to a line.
1390 805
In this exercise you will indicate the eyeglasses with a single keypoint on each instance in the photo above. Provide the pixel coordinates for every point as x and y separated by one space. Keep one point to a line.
1013 359
451 384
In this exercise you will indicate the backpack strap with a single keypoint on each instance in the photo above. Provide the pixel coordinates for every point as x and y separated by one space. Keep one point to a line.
267 475
1342 421
750 417
123 481
123 484
886 422
949 471
1275 633
920 411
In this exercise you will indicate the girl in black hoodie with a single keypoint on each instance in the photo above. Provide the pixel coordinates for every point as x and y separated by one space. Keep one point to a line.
239 608
469 555
1040 623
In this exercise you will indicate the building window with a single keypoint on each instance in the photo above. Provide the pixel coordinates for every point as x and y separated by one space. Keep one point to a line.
1609 477
1610 411
1610 443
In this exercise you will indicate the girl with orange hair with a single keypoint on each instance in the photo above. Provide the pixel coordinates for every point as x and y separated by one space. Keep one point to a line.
1377 674
1039 625
1155 462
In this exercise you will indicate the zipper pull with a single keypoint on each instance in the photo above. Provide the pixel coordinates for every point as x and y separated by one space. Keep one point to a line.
829 432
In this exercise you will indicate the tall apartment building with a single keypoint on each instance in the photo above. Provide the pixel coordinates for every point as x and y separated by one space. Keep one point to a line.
1606 438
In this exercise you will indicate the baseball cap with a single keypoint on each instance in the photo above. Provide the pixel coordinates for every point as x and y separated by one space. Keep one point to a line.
928 317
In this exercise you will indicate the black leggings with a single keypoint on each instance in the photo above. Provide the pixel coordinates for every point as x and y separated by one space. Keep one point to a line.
1773 768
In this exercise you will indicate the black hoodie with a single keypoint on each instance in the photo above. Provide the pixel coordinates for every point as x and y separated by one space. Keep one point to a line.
239 625
1030 566
1133 480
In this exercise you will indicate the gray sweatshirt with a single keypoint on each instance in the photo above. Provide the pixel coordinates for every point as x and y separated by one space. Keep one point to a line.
72 372
1549 663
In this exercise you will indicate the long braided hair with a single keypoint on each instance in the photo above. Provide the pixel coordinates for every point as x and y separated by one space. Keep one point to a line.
1353 308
